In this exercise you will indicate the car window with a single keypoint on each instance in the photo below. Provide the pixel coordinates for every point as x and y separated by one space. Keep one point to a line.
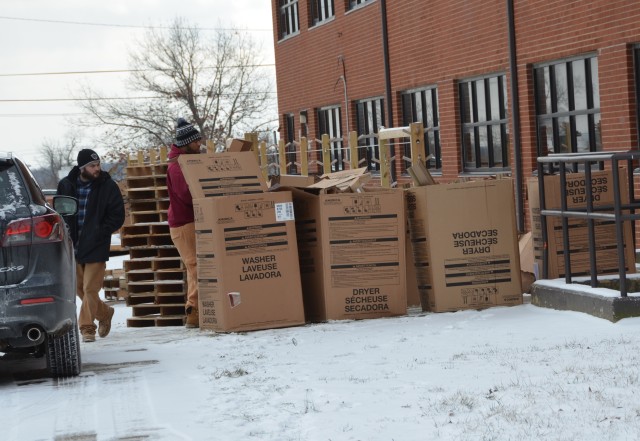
14 199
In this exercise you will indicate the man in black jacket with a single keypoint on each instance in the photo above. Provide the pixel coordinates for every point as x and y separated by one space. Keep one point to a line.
100 214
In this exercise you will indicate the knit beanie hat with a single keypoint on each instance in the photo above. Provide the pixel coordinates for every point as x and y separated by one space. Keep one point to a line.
186 133
86 157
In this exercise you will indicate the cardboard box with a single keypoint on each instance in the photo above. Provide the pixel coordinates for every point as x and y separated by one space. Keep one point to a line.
222 174
248 271
465 245
606 244
352 254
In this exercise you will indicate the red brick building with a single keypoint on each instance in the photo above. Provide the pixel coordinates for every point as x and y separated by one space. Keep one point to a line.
495 83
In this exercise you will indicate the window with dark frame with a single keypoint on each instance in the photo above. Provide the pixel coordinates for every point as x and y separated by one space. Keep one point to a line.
319 11
289 146
485 133
567 99
350 4
421 105
329 123
370 117
288 22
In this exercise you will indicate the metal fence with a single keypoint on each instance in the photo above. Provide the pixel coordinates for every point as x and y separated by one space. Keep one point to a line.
620 212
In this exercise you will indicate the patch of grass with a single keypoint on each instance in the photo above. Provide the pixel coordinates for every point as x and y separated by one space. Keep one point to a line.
238 372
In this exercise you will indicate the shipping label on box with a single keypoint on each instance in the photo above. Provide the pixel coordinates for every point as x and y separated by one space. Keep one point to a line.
606 246
222 174
250 278
465 245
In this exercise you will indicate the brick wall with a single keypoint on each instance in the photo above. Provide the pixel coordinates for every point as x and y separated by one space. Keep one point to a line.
440 43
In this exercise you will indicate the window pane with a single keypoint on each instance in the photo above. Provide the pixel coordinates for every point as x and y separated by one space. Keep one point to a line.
419 107
428 138
505 105
465 90
562 97
494 97
545 136
428 122
598 134
484 145
579 85
593 62
564 135
582 133
481 101
543 98
496 137
468 145
370 115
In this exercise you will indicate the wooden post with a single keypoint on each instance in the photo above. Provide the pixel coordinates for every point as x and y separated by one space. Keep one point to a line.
304 156
385 172
416 138
140 157
264 162
210 147
282 157
353 150
163 154
326 154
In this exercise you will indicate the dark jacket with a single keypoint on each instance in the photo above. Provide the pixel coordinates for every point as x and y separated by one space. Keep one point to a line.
104 216
180 201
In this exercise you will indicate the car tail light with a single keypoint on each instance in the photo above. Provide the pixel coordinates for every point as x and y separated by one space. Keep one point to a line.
35 230
37 300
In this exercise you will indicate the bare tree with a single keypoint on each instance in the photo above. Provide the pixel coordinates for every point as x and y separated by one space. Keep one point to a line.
57 156
218 85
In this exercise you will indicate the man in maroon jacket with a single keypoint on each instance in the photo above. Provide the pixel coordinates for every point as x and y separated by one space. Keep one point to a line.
180 213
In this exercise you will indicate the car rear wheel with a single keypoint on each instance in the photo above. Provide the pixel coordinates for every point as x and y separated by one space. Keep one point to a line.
63 354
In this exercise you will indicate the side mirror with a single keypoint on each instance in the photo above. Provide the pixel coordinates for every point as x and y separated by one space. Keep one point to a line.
65 205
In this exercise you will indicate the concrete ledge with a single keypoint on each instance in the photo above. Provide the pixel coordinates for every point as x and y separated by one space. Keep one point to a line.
608 307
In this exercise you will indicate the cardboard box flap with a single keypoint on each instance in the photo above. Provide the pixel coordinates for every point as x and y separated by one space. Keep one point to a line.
344 173
420 174
297 181
222 174
342 181
526 252
239 145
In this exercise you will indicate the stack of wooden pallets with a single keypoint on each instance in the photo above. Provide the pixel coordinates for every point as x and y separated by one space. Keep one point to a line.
155 275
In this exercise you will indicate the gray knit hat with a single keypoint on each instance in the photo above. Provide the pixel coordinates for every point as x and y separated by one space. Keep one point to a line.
186 133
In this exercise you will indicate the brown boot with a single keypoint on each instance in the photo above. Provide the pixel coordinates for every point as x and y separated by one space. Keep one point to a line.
193 320
104 326
88 336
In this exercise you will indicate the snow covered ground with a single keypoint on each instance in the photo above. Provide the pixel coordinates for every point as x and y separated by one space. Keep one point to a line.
519 373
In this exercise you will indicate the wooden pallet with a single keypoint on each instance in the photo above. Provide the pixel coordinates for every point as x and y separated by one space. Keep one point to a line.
154 275
155 320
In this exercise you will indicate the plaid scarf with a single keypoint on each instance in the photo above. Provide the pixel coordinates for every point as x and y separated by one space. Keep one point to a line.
84 188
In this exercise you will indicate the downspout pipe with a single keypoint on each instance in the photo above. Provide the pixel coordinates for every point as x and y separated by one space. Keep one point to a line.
387 66
515 112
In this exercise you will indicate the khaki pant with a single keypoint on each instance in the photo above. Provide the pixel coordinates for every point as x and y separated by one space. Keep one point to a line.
184 238
90 278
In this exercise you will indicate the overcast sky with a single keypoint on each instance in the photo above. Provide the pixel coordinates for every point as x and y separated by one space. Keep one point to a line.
46 37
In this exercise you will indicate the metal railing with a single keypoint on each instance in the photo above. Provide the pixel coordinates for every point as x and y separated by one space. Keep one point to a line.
619 212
